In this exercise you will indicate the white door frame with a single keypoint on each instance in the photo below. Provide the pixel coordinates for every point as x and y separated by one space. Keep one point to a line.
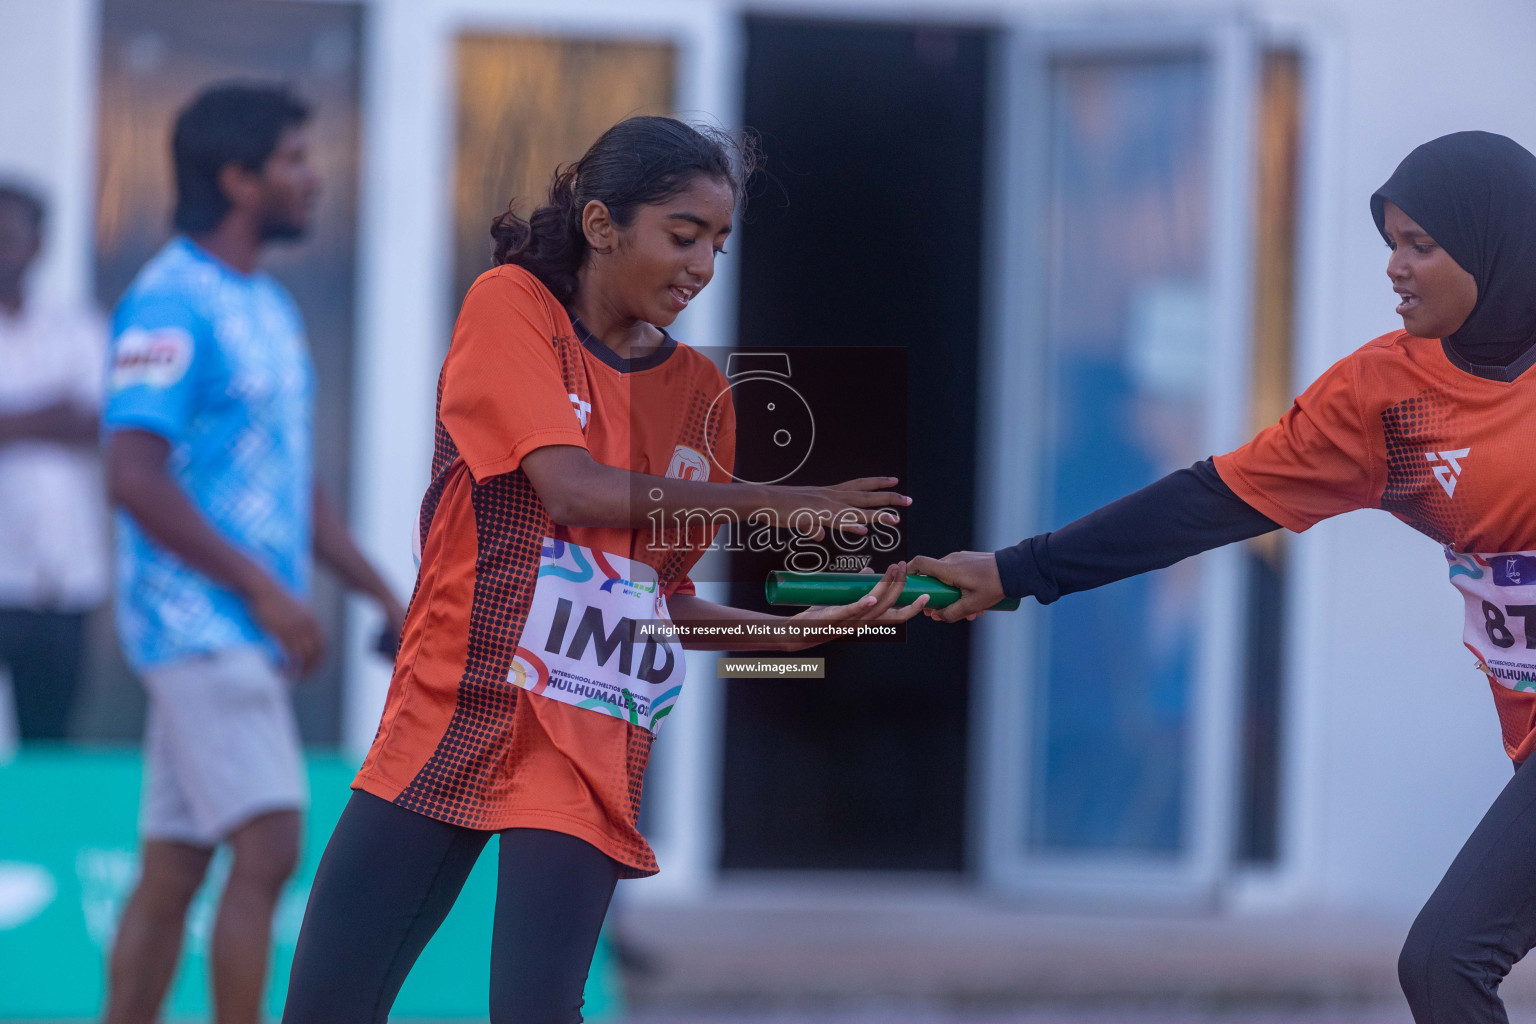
1014 418
404 308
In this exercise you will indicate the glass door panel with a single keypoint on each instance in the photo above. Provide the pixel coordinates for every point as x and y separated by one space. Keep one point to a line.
1118 353
1127 314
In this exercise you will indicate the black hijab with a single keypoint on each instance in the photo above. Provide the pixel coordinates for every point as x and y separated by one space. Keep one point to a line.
1475 193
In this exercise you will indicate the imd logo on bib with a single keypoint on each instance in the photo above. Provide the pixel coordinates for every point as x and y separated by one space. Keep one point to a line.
581 644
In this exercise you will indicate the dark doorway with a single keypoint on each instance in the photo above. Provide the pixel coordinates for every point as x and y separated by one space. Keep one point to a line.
876 135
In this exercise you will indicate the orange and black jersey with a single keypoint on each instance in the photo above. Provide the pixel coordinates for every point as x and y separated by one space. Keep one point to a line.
458 741
1405 425
1402 425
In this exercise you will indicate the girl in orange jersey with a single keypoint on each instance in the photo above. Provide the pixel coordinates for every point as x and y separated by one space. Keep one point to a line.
526 692
1433 423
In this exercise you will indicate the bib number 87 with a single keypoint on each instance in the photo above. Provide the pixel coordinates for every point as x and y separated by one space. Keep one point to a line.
1497 625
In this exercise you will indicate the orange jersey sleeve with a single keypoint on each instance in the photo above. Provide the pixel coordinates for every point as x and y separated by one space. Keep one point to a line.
1320 460
503 392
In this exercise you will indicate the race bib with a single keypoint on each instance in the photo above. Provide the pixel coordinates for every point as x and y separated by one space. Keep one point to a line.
590 638
1500 595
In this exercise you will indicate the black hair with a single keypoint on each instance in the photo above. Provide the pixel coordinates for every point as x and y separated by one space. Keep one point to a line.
30 202
232 122
638 162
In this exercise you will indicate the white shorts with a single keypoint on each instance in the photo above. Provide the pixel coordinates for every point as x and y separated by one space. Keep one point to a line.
221 746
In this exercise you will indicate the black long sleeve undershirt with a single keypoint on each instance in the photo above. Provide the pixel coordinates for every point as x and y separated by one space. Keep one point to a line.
1182 514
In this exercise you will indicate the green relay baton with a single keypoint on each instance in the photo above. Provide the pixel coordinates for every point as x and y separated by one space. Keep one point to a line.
847 587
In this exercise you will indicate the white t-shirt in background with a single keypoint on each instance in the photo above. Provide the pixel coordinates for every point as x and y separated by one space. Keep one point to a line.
53 522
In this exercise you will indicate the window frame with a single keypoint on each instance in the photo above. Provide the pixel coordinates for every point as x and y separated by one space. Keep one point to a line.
1016 421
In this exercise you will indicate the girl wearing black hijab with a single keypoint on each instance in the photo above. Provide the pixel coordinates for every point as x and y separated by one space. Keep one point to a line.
1434 423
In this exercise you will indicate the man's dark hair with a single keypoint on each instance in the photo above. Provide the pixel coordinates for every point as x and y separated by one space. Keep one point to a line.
232 122
28 200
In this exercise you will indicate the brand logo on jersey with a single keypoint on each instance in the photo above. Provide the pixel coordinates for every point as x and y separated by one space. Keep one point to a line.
583 409
157 358
1447 467
688 464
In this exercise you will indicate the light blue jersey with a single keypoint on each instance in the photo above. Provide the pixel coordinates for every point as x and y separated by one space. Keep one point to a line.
215 362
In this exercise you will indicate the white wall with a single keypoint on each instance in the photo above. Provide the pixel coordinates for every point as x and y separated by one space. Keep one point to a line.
47 124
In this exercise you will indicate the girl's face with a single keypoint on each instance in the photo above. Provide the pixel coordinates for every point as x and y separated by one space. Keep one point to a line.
1437 294
666 255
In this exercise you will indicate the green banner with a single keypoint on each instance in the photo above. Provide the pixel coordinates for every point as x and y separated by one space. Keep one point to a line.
69 858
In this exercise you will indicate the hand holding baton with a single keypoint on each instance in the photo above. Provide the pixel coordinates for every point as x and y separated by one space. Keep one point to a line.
839 588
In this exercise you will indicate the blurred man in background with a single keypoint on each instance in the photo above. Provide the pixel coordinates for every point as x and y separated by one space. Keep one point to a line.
53 540
209 413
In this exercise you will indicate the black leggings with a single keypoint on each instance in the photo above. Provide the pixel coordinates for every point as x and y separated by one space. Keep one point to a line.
389 877
1481 918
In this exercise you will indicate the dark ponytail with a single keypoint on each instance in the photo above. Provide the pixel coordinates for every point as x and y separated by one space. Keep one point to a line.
637 162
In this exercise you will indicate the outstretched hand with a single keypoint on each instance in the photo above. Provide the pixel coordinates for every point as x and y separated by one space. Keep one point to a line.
876 607
848 507
973 572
